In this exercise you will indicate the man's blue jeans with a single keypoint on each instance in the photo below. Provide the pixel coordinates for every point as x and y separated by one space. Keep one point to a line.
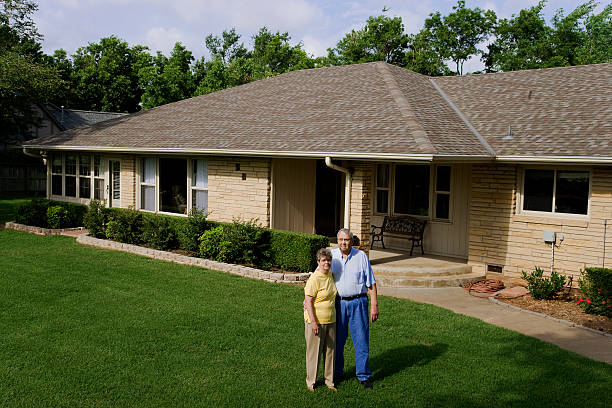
353 313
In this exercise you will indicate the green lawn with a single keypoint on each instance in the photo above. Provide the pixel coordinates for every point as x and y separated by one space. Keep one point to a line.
84 327
8 206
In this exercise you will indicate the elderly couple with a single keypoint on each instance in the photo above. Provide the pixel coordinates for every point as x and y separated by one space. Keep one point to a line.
336 297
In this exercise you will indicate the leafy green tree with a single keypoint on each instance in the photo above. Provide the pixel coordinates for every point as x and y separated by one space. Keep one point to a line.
167 79
525 41
25 79
273 54
422 56
381 39
456 37
105 75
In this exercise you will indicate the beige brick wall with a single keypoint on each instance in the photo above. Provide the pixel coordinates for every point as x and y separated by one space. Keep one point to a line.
229 196
128 181
497 235
361 202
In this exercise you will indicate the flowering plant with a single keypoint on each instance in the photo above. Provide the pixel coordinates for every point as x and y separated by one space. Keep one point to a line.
596 305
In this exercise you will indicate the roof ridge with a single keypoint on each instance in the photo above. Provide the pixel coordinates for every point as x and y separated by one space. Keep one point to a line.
405 108
450 103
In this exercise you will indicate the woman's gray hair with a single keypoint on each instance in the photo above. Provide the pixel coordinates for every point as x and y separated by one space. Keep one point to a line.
323 253
347 231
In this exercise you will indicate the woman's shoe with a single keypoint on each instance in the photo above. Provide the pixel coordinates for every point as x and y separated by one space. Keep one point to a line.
331 387
310 388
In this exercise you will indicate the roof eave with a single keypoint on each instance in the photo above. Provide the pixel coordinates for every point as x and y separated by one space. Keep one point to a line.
555 159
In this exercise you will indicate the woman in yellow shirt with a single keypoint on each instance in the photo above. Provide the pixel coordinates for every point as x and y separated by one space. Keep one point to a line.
320 321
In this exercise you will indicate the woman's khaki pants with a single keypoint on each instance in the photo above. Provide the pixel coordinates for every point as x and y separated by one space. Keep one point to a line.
316 345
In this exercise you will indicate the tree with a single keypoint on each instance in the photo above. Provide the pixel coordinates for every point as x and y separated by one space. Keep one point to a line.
25 79
526 41
167 79
422 56
105 75
272 54
456 36
382 39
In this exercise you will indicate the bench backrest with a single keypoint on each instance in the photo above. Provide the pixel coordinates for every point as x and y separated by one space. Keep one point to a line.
404 225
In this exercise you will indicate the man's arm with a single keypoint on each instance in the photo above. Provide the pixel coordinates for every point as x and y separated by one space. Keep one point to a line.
373 303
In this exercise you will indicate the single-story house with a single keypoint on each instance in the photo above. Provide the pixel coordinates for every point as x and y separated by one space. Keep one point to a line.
491 161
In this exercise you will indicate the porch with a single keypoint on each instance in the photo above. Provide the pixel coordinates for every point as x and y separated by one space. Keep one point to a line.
397 269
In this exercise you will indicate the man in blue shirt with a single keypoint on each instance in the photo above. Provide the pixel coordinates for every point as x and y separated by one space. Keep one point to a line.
354 280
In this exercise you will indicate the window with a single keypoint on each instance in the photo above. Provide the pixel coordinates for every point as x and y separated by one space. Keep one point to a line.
199 184
556 191
382 188
72 176
147 184
173 185
442 193
411 190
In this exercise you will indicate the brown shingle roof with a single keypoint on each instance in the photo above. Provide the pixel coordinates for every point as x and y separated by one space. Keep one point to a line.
551 112
377 110
362 109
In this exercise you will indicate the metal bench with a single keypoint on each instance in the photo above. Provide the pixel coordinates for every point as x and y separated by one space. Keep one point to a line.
402 225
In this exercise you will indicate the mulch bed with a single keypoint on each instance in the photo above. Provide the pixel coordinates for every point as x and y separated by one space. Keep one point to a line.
565 309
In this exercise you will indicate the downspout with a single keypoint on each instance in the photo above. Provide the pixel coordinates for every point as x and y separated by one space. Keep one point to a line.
347 189
42 155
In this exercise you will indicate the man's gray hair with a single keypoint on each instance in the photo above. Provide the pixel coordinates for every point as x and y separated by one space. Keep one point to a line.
346 231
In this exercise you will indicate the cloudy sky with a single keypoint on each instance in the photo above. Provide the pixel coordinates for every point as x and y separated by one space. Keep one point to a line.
318 24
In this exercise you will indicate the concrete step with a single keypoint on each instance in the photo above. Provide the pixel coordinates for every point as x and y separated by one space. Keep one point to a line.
440 281
421 270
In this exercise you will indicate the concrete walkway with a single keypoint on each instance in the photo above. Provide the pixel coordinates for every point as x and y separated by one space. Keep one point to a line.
578 340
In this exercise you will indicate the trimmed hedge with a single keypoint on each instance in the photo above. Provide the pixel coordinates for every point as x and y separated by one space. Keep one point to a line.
44 213
294 251
596 286
238 242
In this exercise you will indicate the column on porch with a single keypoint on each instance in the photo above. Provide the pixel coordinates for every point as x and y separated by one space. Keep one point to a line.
361 202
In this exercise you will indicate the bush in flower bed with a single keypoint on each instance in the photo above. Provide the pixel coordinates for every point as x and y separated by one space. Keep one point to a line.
44 213
596 286
541 287
242 242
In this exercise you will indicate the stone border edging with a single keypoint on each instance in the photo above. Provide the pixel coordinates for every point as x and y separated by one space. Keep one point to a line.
565 322
38 230
288 278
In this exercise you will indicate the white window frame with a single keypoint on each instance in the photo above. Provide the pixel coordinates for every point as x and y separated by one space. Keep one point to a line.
437 192
188 179
553 213
77 198
192 187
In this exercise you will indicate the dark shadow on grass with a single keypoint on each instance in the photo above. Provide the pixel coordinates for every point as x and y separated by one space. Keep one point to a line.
395 360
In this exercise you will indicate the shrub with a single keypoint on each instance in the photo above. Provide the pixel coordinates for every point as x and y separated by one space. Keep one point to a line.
158 232
57 216
95 219
125 226
33 213
294 251
596 286
541 287
189 232
210 243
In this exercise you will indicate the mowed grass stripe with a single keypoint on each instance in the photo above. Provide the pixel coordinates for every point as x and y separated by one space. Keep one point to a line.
82 326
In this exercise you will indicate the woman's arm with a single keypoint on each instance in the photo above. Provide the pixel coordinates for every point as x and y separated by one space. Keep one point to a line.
309 300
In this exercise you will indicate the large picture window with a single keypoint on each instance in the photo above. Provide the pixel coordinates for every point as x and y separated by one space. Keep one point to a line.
173 184
556 191
411 190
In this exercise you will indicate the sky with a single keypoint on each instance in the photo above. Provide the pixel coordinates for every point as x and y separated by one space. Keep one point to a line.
317 24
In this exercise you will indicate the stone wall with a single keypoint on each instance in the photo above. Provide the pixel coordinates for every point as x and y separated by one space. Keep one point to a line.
361 202
239 193
500 236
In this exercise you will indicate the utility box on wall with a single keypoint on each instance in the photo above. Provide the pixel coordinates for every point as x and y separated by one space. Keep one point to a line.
550 237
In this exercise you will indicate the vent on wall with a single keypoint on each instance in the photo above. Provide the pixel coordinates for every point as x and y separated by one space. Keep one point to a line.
494 268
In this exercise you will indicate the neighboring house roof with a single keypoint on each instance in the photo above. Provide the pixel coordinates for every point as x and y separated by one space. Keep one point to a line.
374 110
73 118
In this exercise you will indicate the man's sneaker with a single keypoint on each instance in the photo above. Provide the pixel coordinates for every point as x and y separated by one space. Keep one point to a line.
367 384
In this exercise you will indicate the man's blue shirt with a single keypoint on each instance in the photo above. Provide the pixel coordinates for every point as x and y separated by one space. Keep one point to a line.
353 275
